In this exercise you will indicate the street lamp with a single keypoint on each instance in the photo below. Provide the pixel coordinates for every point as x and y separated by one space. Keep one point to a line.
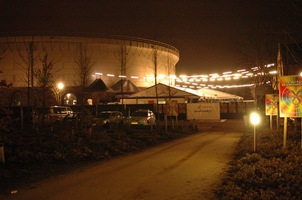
60 87
255 120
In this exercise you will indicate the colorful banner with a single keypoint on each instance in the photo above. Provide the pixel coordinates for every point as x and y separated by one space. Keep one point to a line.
290 94
172 108
271 104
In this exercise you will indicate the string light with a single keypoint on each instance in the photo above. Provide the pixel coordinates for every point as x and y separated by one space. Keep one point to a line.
193 81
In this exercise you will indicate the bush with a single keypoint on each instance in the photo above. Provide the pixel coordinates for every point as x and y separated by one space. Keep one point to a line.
272 172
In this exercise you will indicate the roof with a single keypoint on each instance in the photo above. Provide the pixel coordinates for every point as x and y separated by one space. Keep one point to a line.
163 91
98 86
126 85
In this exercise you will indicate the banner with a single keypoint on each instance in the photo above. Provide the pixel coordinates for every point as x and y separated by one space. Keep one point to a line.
203 111
172 108
271 104
290 96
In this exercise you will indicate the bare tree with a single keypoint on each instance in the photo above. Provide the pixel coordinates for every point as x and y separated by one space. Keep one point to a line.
170 68
83 66
3 48
122 56
44 78
45 82
257 50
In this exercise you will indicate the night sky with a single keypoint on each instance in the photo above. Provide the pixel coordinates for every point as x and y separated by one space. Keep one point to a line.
206 33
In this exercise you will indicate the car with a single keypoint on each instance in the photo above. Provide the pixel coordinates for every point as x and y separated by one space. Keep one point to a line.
52 114
142 118
109 119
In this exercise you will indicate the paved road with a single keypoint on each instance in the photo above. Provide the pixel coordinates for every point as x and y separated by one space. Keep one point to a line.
184 169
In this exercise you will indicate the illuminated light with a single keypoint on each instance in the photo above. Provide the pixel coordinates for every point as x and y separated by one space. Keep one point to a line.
172 77
235 77
194 84
60 86
191 79
111 75
98 73
205 80
214 75
212 79
229 72
202 84
227 78
241 70
245 72
183 76
161 76
135 77
273 72
177 85
204 76
219 79
122 76
191 86
254 118
198 87
270 65
197 80
178 80
301 74
245 76
184 86
250 74
255 68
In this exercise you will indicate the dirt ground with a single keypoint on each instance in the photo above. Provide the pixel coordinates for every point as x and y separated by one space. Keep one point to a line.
187 168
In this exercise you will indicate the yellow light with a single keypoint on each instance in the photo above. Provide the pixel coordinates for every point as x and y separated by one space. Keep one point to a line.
254 118
60 86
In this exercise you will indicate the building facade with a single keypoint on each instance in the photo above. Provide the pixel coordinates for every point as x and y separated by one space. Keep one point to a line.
111 58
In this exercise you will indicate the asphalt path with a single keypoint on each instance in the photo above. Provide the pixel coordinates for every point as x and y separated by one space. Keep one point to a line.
184 169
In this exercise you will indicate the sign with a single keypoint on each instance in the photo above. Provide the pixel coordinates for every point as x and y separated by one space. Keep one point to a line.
203 111
271 104
172 108
290 96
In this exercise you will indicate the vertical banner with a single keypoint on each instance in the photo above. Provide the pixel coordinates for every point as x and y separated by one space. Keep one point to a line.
290 94
271 104
172 108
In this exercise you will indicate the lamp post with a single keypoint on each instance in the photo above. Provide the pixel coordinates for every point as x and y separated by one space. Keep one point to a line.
60 87
255 120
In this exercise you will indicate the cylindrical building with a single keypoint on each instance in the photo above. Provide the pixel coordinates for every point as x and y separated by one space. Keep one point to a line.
111 57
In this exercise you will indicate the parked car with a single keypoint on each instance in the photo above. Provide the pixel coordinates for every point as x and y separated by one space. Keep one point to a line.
52 114
109 119
142 118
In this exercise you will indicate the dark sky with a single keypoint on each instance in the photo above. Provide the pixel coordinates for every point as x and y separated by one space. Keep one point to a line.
205 32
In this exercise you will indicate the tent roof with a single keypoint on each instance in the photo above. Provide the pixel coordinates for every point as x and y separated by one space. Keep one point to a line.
163 91
98 86
126 85
218 94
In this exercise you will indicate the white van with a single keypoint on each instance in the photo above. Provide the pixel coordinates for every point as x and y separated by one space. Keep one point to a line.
52 114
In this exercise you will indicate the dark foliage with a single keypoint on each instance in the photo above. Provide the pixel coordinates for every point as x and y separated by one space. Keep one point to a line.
272 172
